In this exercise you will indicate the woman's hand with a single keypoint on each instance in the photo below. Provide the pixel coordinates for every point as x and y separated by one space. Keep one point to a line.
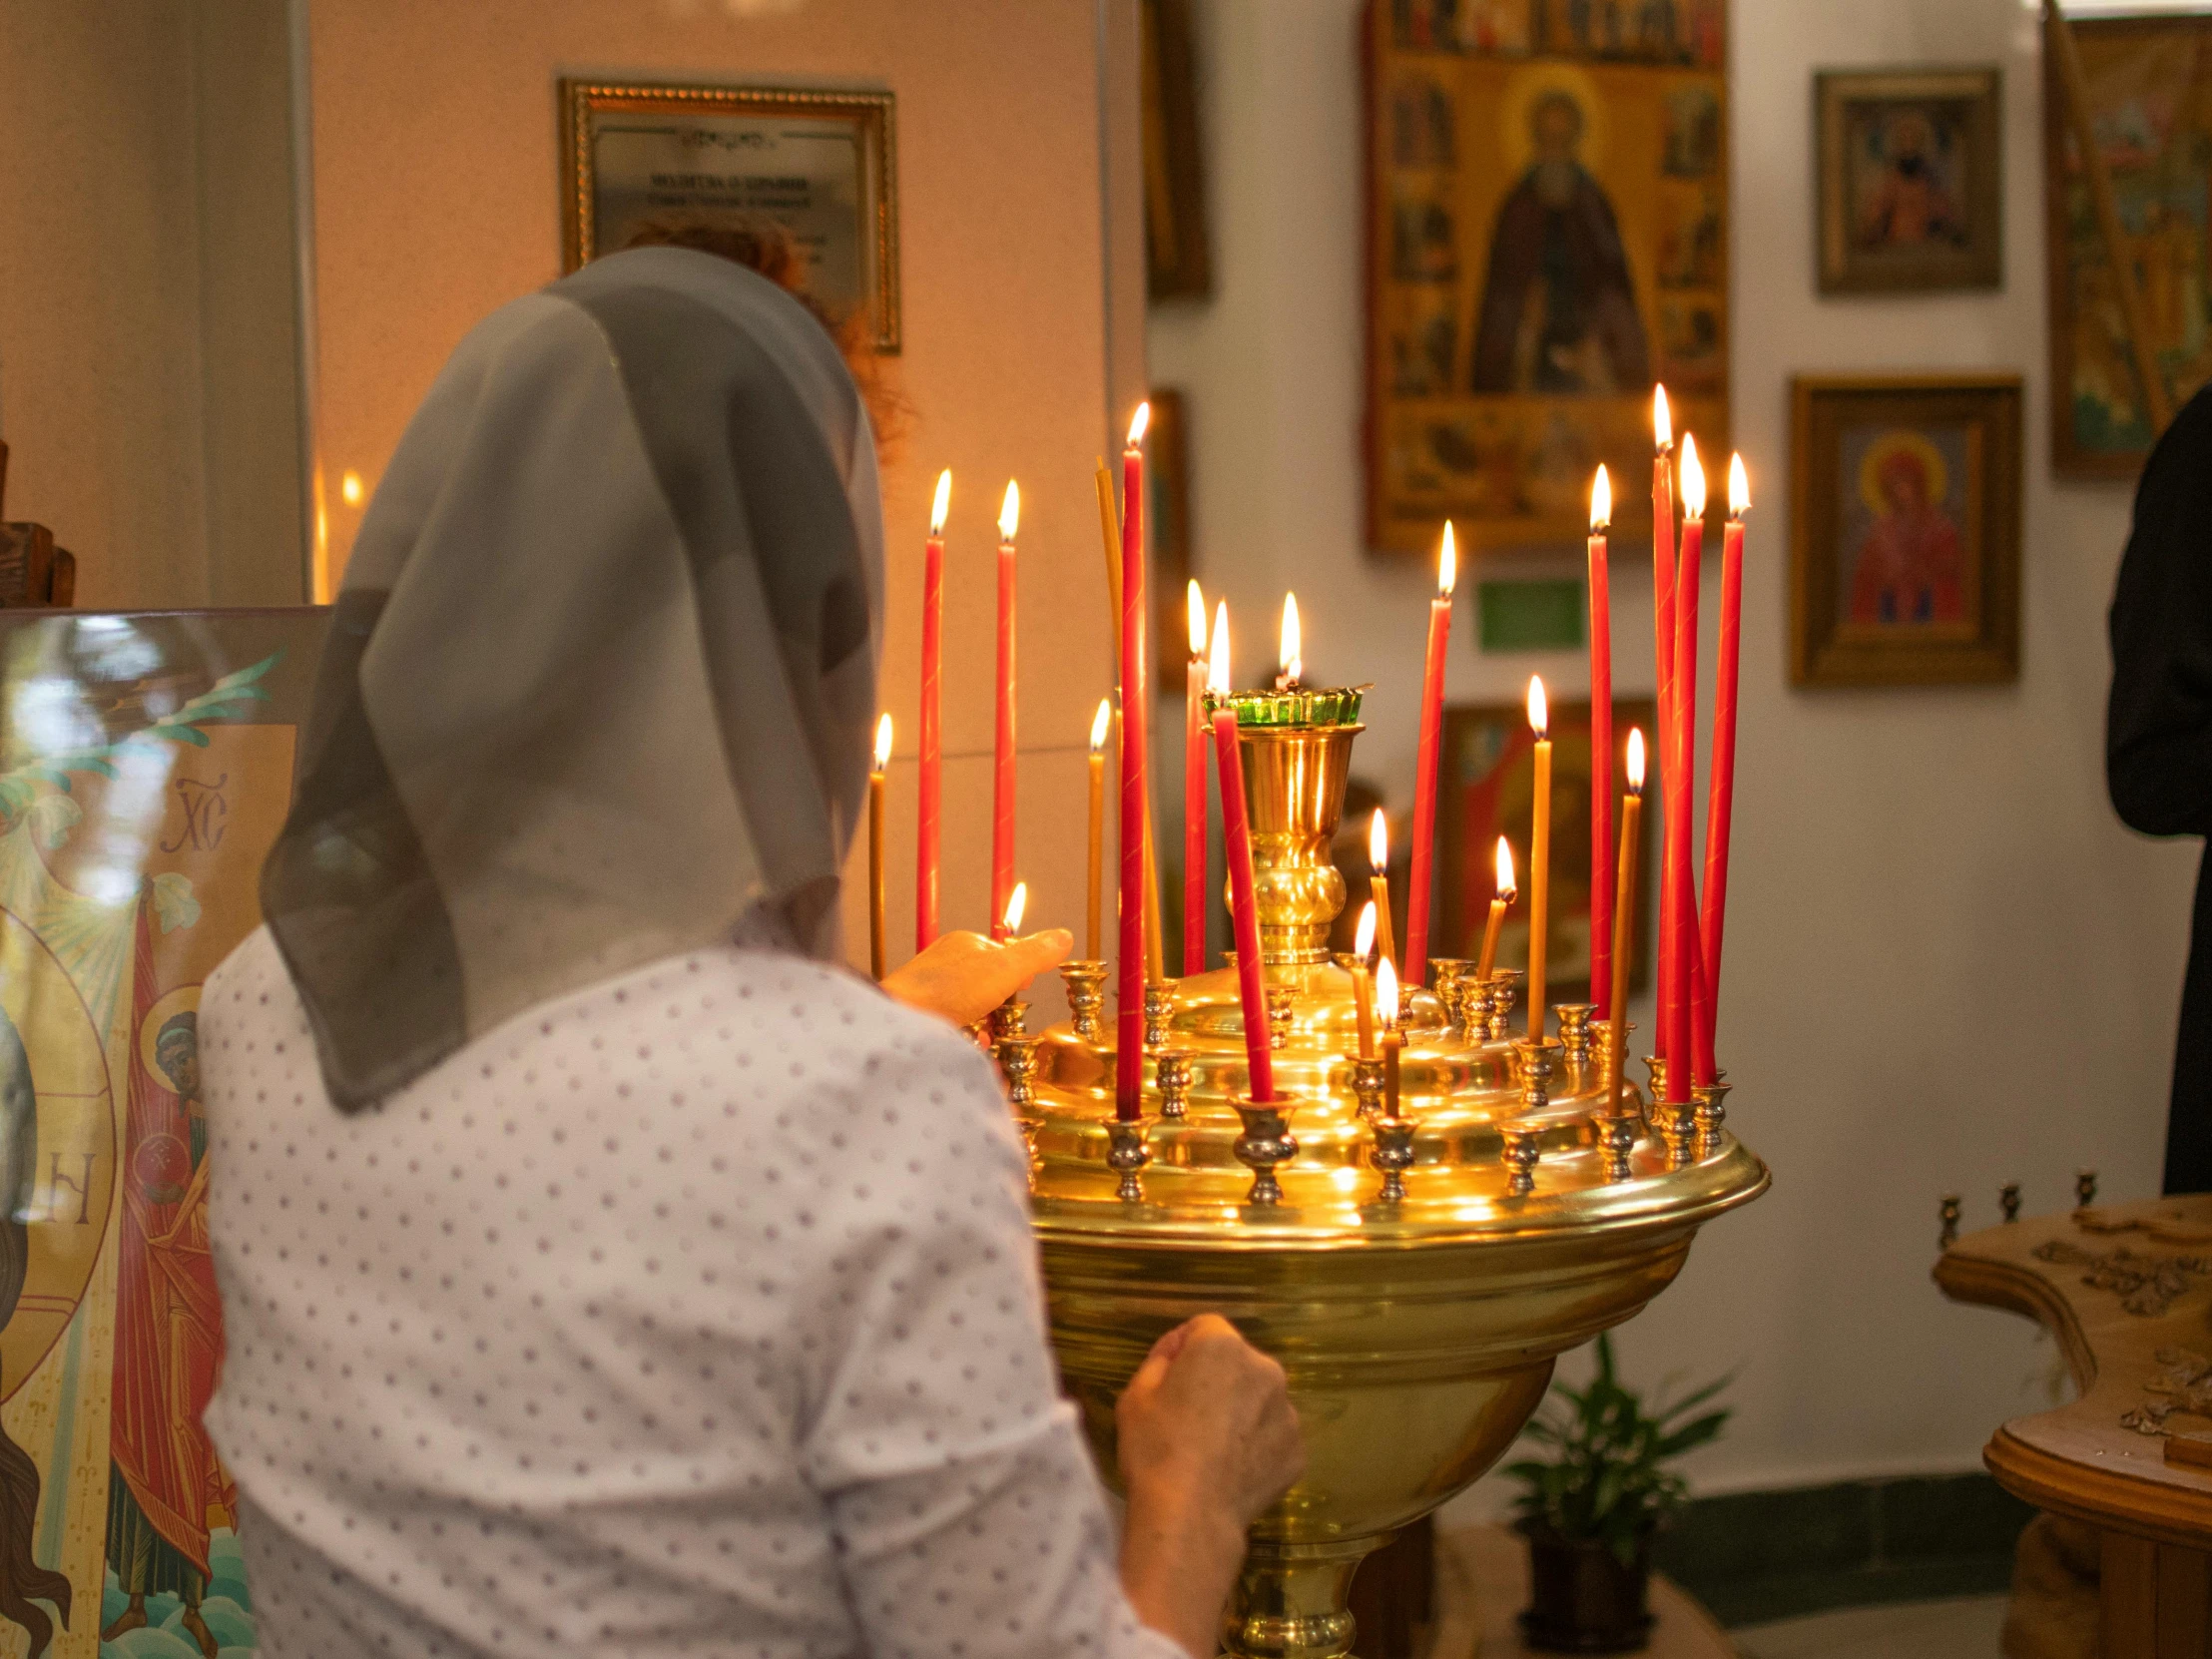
963 976
1207 1439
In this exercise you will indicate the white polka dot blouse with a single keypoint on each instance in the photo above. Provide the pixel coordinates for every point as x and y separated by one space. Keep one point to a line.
694 1313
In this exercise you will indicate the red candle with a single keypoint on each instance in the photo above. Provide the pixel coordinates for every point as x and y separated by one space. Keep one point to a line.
1685 1032
928 789
1002 747
1129 985
1252 993
1662 579
1194 787
1601 745
1424 773
1720 802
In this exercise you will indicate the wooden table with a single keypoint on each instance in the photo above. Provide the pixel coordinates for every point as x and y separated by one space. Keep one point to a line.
2127 1292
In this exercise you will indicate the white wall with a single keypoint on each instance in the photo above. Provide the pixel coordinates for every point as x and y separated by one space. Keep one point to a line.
145 298
1948 963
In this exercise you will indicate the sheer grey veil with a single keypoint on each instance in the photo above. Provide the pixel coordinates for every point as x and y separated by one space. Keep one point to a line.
602 672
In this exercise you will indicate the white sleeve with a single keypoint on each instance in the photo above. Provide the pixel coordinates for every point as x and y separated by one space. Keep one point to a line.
968 1513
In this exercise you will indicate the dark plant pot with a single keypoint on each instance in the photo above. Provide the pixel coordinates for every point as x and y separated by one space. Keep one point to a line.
1581 1599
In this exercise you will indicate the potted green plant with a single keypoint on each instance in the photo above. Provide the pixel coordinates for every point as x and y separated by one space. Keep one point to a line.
1589 1509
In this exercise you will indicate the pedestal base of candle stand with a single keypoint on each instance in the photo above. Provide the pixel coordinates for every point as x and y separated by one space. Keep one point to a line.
1482 1585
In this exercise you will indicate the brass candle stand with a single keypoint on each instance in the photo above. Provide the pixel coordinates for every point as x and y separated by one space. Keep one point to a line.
1416 1272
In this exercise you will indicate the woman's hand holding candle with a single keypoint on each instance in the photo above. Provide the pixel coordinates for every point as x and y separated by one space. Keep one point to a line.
962 976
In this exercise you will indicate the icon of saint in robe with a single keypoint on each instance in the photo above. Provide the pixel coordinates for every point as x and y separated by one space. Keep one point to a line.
1558 307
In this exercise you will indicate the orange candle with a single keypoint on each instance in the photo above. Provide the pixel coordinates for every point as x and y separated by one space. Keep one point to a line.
1540 859
1625 924
1500 904
875 848
1378 882
1425 767
1101 724
1002 744
1386 1007
1363 987
928 783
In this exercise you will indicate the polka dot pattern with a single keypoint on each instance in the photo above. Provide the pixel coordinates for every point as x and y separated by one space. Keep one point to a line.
693 1313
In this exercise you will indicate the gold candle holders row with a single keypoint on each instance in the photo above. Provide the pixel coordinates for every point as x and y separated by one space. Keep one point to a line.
1415 1262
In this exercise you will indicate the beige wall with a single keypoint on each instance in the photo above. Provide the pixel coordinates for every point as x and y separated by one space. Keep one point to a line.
437 198
1948 963
146 376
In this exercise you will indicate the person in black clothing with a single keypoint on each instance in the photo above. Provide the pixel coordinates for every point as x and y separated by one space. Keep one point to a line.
2158 731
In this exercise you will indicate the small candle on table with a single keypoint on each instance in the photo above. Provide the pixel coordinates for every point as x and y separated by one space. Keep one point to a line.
1500 904
1386 1008
1252 994
1194 787
875 848
1685 1035
1539 858
1424 765
1378 882
1720 802
928 783
1101 724
1662 579
1363 987
1625 924
1002 746
1601 741
1129 985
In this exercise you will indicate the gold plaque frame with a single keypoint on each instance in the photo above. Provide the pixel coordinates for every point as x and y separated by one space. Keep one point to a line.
871 116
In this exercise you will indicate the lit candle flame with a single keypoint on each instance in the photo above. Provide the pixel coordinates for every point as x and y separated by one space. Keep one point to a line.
1385 994
1363 947
1017 902
1539 710
1447 565
1288 657
1693 479
1507 888
1635 759
1217 671
1739 487
1138 422
1662 419
350 489
1101 723
1378 842
1194 604
943 503
1601 501
883 743
1009 512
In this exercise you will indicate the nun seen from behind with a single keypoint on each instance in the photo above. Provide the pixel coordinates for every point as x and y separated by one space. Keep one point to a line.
605 1269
